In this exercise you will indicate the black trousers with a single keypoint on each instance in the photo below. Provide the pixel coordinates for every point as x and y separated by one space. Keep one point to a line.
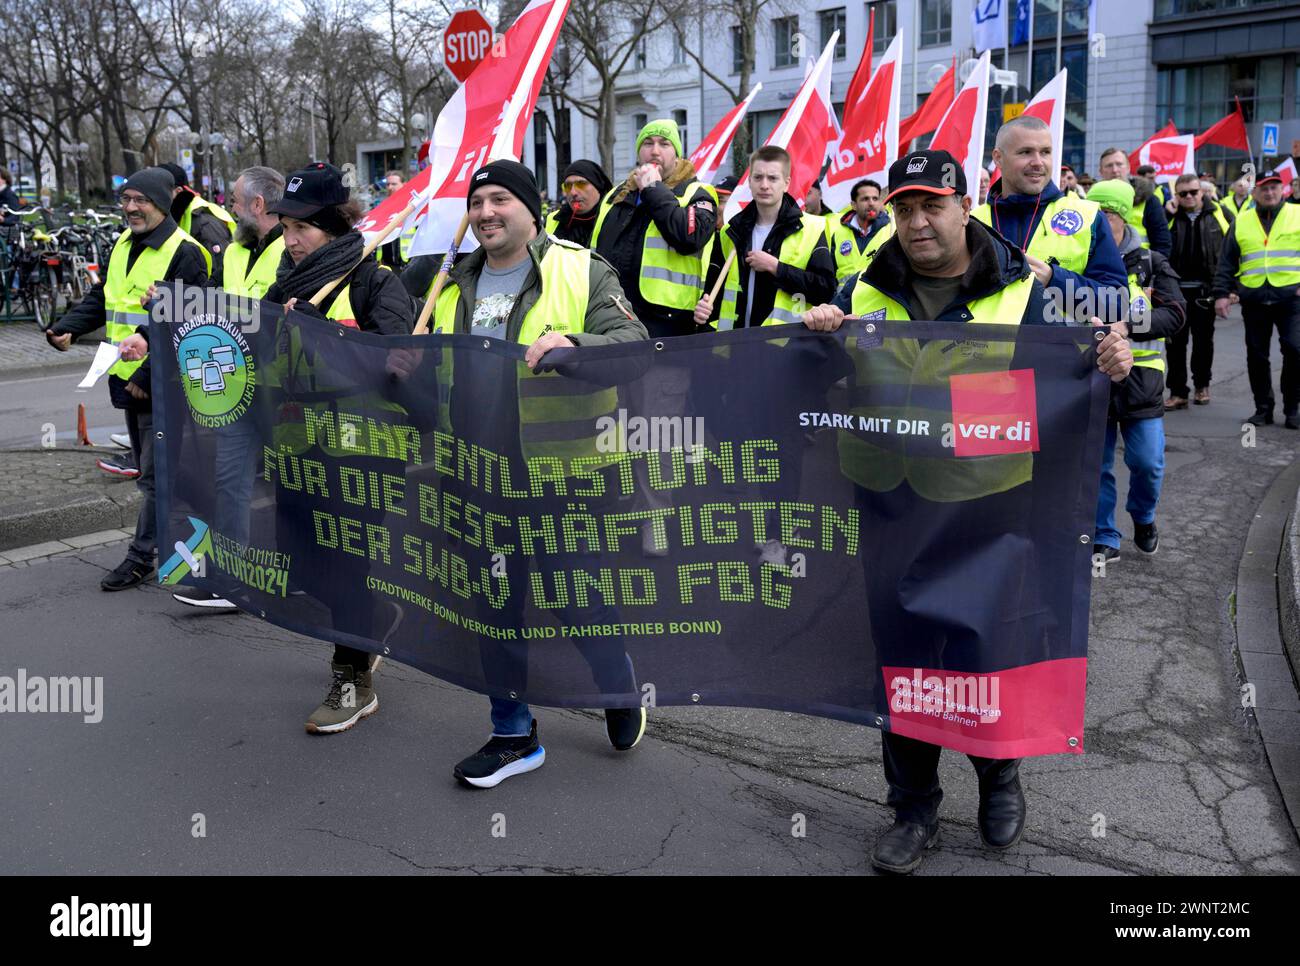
1260 321
1199 331
912 770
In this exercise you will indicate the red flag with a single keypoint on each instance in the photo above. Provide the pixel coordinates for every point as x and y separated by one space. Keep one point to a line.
1171 157
1168 131
929 114
486 119
861 76
708 153
801 131
961 132
1230 132
1287 172
869 144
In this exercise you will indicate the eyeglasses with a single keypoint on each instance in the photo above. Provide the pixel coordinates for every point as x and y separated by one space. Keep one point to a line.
575 184
1189 194
133 201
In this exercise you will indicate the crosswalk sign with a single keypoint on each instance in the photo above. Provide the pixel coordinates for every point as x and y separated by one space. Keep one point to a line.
1270 140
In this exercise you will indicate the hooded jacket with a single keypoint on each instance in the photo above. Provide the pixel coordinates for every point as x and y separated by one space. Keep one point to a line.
686 228
1142 394
995 263
815 281
1017 218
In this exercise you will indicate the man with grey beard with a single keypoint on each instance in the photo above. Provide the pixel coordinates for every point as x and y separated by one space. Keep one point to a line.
252 258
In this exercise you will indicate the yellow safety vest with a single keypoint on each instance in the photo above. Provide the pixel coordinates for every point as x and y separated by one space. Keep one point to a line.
1237 209
844 247
553 222
878 239
796 249
1064 232
1272 257
1148 354
905 379
668 278
1134 219
123 290
197 204
554 421
238 279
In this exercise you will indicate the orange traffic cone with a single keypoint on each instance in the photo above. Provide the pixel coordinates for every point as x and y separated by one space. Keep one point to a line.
82 438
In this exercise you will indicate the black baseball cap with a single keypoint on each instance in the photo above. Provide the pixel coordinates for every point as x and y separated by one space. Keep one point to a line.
1267 176
936 172
727 185
309 189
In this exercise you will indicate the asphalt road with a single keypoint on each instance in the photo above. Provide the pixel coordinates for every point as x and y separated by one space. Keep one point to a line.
29 403
203 715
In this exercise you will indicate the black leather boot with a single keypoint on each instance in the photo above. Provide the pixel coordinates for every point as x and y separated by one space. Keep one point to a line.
1002 815
901 849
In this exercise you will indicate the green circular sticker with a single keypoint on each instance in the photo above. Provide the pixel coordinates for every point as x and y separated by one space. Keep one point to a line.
216 369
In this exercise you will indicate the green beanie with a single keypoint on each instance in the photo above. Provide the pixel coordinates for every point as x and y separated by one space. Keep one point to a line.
1113 195
665 128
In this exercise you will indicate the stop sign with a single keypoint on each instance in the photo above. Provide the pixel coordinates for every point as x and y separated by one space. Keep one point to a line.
466 41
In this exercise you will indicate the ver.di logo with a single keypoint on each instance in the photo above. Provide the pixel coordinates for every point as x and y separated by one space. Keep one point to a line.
217 369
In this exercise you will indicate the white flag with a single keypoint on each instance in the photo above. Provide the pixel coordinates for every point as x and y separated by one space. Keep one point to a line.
988 20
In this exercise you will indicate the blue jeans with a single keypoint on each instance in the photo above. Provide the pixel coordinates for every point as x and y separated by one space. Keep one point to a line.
1144 455
510 717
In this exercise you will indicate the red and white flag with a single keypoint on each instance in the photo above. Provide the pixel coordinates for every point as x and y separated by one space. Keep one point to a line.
708 154
485 120
1049 105
961 132
802 130
1170 157
869 144
1168 131
1287 172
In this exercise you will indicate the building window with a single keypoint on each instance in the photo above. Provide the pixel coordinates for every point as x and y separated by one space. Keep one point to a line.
886 23
1074 19
785 31
638 122
679 116
831 21
1074 57
639 26
679 46
936 22
563 139
737 50
1197 96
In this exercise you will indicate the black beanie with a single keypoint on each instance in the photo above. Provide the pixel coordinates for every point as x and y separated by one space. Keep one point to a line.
156 184
590 170
515 178
178 174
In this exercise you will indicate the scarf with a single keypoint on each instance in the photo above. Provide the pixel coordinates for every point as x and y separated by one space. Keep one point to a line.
332 260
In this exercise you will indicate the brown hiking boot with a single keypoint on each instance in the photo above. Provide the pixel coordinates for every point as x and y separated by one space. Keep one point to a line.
1202 397
1175 402
351 697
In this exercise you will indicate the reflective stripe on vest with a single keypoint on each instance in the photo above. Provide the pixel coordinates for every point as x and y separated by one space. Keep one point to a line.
904 379
557 415
668 278
238 279
796 250
1272 257
1148 354
1065 237
123 289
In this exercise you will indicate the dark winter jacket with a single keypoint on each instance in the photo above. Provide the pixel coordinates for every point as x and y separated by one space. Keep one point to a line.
1198 246
815 282
573 227
88 315
1142 394
205 228
378 298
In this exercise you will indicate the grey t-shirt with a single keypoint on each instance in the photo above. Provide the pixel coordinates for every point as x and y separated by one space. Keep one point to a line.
935 294
495 297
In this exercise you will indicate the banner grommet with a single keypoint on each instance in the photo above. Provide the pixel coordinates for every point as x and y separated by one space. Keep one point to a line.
158 435
659 346
1073 742
1084 538
487 343
871 327
695 698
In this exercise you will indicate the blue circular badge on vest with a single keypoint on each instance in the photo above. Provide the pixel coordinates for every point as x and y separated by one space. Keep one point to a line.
1067 222
846 247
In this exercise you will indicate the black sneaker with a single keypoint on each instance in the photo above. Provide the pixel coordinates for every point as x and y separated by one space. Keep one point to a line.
1292 420
1146 538
1109 555
500 758
625 726
127 575
1262 417
207 601
123 466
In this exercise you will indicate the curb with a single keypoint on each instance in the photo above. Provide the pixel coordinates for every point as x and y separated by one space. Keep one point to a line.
42 520
55 369
1266 608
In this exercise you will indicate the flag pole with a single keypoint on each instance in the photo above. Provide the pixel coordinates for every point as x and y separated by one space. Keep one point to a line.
1029 53
365 253
422 324
1060 25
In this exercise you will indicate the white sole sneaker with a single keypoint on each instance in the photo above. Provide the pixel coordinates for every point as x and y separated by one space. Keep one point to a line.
365 712
519 767
121 439
209 603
